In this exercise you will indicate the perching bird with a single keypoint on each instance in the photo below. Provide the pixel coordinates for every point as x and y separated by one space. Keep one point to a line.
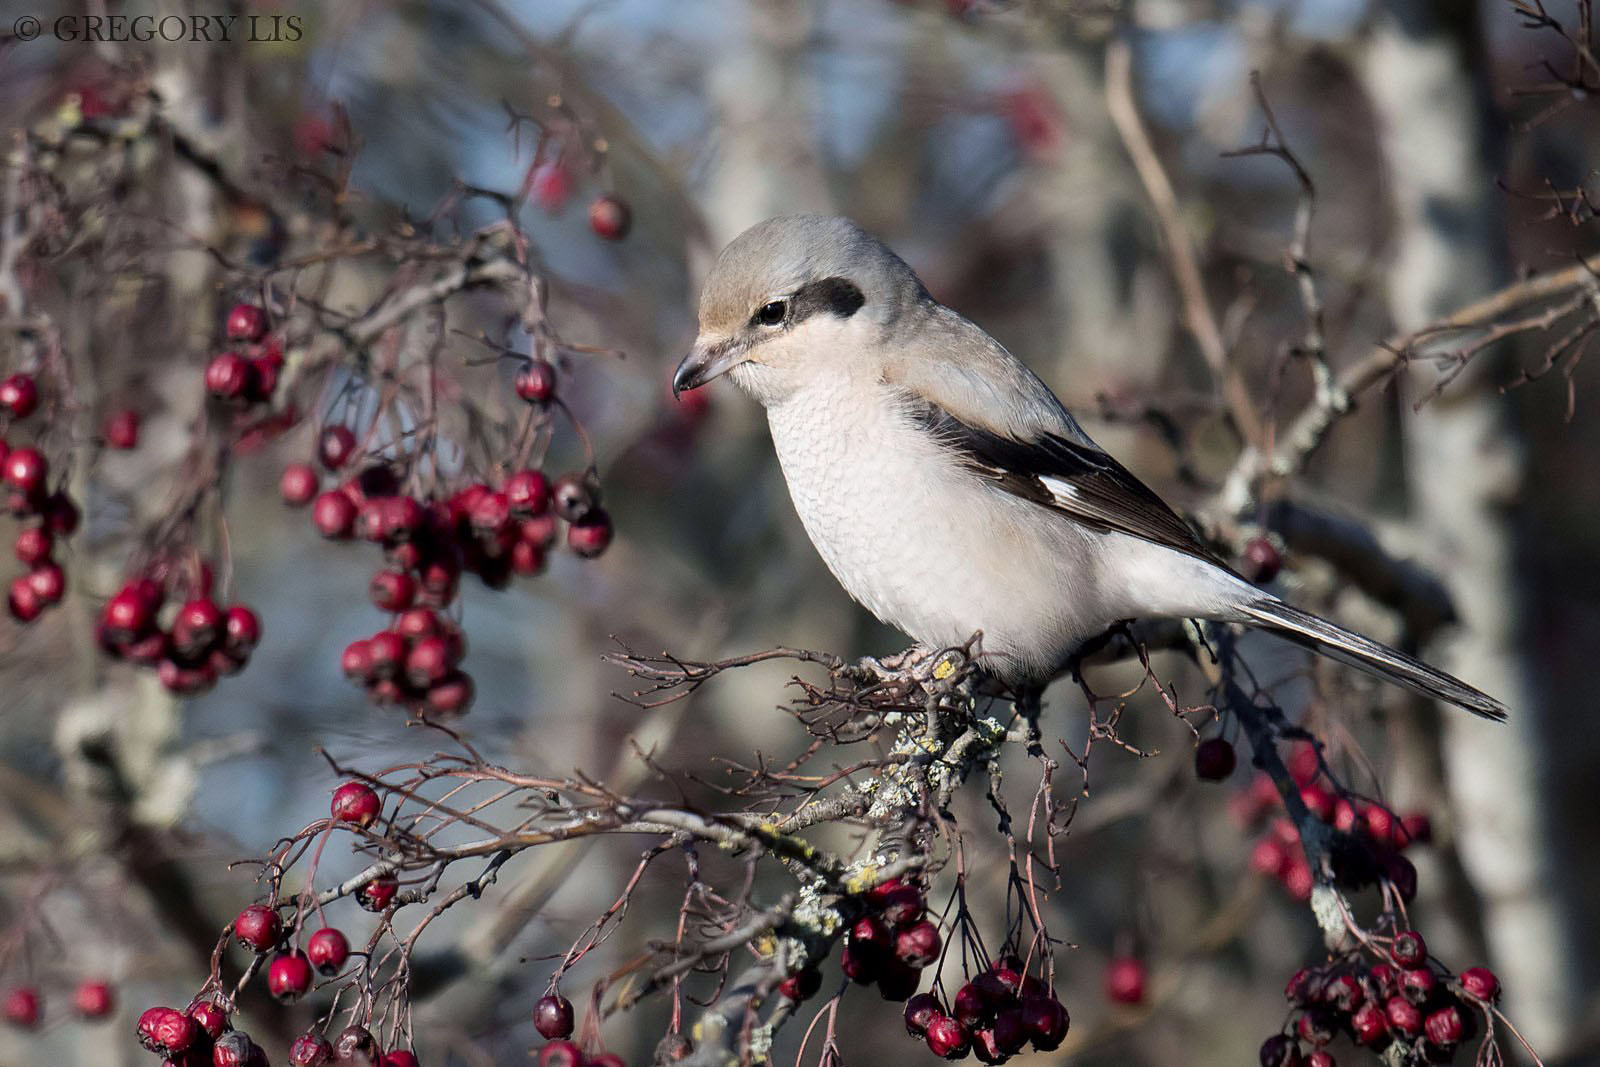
946 487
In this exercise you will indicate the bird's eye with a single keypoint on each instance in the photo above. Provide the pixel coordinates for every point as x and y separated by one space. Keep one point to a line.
772 314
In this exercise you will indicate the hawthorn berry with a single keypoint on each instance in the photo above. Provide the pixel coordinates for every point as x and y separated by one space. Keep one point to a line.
591 535
801 985
1343 993
917 945
334 515
21 1007
355 1044
335 445
1405 1019
379 893
610 217
122 429
1261 560
1409 950
1280 1050
859 962
236 1049
527 492
1479 983
208 1016
561 1054
1418 985
257 928
61 515
552 1016
173 1031
357 804
551 185
920 1011
19 395
93 999
228 376
453 695
1125 977
400 1057
1214 759
536 381
1445 1027
311 1049
574 497
245 322
902 905
327 949
298 484
947 1038
289 976
898 980
1321 1058
971 1006
198 627
1046 1021
1317 1027
1369 1025
25 471
23 601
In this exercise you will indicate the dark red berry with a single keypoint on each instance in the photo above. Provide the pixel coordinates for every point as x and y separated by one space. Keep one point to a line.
289 976
1343 992
355 1045
26 470
311 1050
1125 977
947 1038
1479 983
903 904
1262 561
491 512
334 515
356 660
1317 1026
610 218
1409 949
574 497
528 493
257 928
1368 1025
898 980
1280 1050
1415 829
561 1053
1418 985
920 1011
379 893
453 695
208 1016
61 515
592 535
174 1031
236 1049
860 962
241 630
1214 759
93 999
146 1027
199 626
228 376
1010 1032
870 934
536 381
246 322
1046 1021
23 601
327 949
122 429
356 804
402 1058
971 1006
1402 875
552 1016
1405 1019
801 985
527 559
298 485
1321 1058
1445 1027
392 591
335 446
21 1007
551 185
917 945
19 395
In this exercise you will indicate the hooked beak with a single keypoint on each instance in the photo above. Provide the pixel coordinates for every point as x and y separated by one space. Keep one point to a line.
705 362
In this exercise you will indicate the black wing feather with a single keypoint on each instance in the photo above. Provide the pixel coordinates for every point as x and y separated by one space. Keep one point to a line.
1104 494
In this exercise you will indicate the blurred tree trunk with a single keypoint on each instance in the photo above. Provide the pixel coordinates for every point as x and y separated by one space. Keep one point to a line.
1464 460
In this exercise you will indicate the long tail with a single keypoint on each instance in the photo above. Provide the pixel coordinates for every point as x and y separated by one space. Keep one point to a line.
1322 636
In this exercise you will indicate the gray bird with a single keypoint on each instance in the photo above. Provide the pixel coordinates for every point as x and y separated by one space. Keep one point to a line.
946 487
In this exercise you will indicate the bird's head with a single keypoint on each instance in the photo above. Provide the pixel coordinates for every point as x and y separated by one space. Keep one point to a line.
791 295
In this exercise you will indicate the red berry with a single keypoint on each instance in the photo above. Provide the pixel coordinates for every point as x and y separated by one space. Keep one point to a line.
551 185
1125 980
386 653
1321 1058
311 1050
917 945
869 934
1445 1026
1409 949
947 1038
1405 1020
1279 1050
198 627
536 381
897 980
561 1054
592 535
1317 1027
1415 829
392 591
356 660
403 517
357 804
539 531
334 515
1343 992
19 395
146 1028
1402 874
528 493
418 623
1418 985
1368 1025
61 515
801 985
208 1016
552 1016
1046 1021
355 1045
93 999
236 1049
859 962
23 601
327 949
21 1007
402 1058
972 1006
298 485
228 376
174 1031
246 322
26 470
1383 982
241 630
335 446
289 976
920 1011
122 429
526 559
257 928
901 905
1262 560
491 513
453 695
1479 983
379 893
1214 759
1009 1031
610 218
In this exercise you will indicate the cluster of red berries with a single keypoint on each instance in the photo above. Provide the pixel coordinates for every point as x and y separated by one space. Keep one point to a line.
190 644
23 1007
1371 838
246 375
495 531
354 1044
1405 1000
888 946
551 186
24 476
553 1018
992 1016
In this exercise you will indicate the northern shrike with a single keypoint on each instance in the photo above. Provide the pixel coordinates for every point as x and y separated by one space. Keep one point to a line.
946 487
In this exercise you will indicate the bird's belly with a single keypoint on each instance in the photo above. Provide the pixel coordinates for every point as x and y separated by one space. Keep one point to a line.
928 547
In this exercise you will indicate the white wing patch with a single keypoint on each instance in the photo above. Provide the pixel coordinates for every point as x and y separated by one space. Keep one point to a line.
1059 488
